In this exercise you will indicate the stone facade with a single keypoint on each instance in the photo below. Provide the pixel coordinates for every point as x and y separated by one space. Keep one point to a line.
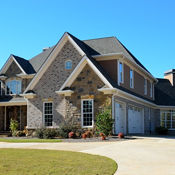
85 86
50 82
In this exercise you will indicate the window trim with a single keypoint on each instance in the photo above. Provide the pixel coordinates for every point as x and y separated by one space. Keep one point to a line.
14 79
67 62
119 82
145 86
47 114
82 100
165 120
132 78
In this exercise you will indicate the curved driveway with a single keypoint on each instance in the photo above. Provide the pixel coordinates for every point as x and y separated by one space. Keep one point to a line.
142 156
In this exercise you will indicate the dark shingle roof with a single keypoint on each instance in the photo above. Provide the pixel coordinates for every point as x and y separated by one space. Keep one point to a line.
39 59
25 64
164 93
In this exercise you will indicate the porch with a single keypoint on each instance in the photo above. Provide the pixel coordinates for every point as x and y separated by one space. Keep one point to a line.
7 113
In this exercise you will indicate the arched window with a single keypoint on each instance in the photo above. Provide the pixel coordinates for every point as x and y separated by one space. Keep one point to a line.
13 87
68 65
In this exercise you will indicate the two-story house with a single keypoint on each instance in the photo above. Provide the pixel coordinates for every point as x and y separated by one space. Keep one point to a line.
74 79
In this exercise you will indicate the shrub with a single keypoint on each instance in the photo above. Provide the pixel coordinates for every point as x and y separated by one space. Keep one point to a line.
13 127
40 133
20 134
162 130
84 136
104 121
89 134
65 129
49 133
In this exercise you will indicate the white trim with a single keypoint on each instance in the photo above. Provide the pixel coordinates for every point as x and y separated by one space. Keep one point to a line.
65 92
14 103
8 63
27 76
107 90
47 114
51 57
79 68
119 82
82 100
28 95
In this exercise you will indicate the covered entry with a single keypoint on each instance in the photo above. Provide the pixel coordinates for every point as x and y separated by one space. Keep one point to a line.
120 118
135 120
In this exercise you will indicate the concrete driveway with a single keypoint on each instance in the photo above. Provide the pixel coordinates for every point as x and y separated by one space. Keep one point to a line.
142 156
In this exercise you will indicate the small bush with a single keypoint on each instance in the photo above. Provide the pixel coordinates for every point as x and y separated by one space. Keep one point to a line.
104 121
162 130
13 127
49 133
71 135
40 133
65 129
20 134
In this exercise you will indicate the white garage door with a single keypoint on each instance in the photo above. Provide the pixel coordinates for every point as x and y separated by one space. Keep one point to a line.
120 118
135 120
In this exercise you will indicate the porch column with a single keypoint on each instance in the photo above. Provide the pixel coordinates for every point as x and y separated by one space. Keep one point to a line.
5 118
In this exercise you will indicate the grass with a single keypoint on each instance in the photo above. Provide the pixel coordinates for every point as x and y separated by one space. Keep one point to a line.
48 162
13 140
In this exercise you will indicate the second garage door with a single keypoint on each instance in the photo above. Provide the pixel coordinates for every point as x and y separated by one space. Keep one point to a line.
135 120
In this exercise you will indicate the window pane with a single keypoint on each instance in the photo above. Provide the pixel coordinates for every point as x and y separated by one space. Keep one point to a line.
168 116
168 124
48 113
68 65
162 116
173 124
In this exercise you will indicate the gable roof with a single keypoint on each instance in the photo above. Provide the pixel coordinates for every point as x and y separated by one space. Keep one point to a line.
164 93
25 65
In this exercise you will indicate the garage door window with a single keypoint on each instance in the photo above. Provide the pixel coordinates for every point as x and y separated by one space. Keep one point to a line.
167 119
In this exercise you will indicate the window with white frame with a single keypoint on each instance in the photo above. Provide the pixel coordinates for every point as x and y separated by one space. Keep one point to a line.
48 113
151 89
131 78
13 87
68 65
167 119
87 109
145 86
120 72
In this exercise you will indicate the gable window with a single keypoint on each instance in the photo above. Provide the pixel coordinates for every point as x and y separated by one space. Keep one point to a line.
68 65
167 119
131 78
87 112
145 86
48 113
13 87
120 72
151 90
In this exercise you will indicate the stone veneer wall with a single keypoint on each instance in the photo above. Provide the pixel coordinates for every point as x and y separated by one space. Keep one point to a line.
50 82
85 86
2 113
149 122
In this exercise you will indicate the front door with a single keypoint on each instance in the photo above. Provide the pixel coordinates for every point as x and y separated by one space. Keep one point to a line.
12 112
120 118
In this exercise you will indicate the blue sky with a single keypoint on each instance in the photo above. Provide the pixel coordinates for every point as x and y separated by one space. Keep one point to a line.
145 27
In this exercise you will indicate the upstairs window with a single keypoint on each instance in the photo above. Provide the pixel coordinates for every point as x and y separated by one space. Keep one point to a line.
131 78
120 72
13 87
68 65
151 90
48 113
145 86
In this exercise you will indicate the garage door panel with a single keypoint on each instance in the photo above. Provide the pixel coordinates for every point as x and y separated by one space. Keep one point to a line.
135 120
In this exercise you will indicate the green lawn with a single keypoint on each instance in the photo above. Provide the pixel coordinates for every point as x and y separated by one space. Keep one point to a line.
48 162
12 140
